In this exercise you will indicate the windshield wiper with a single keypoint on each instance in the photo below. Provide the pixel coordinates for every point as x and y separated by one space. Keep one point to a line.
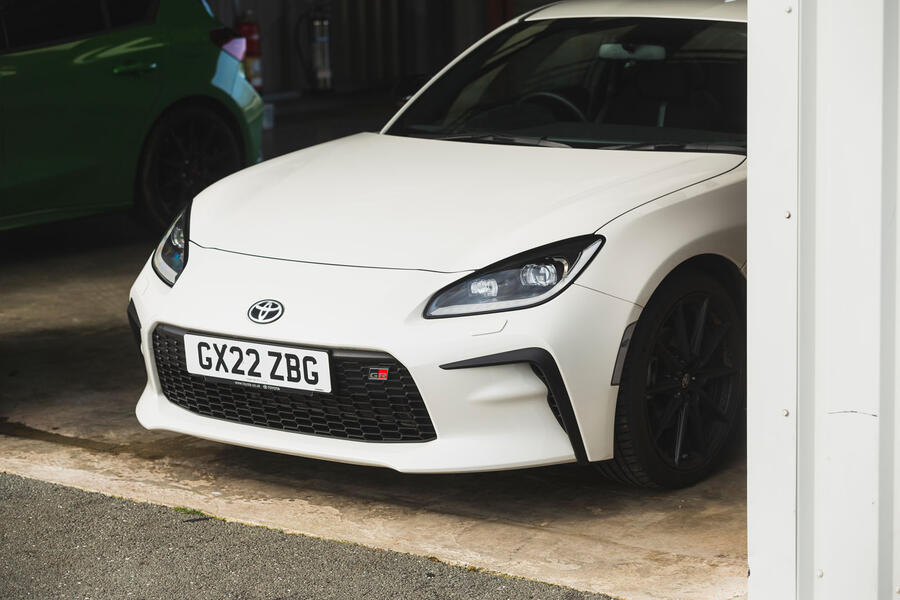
502 138
679 147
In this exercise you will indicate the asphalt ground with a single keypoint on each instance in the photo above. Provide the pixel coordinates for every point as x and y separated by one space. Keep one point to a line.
59 542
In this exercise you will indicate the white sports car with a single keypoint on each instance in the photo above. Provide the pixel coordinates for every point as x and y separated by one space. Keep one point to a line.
540 259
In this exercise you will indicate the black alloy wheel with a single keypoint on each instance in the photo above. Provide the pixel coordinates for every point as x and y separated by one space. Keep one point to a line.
683 388
189 149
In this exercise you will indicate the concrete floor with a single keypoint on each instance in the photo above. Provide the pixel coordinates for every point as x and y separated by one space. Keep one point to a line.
70 376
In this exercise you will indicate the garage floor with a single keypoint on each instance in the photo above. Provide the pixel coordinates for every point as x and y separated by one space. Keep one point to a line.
70 376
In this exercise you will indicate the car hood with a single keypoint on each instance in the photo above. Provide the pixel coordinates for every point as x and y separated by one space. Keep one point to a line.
408 203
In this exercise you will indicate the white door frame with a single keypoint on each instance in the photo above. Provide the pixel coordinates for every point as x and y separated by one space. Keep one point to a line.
823 457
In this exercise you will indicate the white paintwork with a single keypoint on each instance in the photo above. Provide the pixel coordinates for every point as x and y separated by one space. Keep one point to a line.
407 203
713 10
356 235
380 309
648 242
824 484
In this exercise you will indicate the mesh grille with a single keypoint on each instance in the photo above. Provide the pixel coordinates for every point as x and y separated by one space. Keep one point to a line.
356 409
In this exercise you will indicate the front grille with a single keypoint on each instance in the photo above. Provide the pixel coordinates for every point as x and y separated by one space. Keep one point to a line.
356 409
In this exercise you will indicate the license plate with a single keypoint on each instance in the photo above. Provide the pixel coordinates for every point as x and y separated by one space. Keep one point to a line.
263 364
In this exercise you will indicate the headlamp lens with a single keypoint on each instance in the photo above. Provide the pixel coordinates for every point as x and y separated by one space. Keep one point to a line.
171 254
524 280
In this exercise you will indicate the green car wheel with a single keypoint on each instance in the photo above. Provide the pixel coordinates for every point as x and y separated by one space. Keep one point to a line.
189 149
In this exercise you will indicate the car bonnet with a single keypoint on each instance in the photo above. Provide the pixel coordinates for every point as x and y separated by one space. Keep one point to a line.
385 201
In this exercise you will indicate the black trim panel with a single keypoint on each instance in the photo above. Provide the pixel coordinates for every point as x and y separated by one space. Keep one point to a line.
135 323
623 352
542 360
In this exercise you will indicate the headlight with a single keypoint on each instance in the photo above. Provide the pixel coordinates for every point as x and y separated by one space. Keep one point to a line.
524 280
171 254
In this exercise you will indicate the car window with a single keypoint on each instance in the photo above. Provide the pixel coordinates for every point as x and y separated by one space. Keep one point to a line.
123 13
38 22
595 82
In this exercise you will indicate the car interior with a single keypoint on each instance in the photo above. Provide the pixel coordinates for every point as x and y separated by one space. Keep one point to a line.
599 80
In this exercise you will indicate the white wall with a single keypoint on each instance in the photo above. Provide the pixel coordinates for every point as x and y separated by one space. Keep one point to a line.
823 452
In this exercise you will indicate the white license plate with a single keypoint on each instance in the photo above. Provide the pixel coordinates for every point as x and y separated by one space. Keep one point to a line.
262 364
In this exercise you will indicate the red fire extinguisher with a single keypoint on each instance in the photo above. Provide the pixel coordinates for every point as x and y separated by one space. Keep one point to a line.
249 29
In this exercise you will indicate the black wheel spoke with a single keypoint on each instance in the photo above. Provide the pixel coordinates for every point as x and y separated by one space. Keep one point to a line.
667 419
699 327
179 144
718 413
679 433
714 341
216 155
697 428
169 183
661 388
193 138
681 336
716 373
172 163
667 357
209 139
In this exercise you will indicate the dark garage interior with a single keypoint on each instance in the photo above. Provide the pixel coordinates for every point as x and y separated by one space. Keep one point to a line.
377 53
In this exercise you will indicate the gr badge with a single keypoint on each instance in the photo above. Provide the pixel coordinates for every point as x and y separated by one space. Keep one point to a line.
378 374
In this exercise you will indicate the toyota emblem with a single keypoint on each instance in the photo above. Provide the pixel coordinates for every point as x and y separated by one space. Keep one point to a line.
265 311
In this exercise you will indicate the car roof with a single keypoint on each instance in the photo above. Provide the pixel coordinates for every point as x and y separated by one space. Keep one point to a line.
712 10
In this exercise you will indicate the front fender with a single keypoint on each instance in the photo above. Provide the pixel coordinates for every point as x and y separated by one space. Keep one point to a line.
647 243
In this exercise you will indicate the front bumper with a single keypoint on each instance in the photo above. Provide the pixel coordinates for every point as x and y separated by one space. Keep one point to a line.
485 418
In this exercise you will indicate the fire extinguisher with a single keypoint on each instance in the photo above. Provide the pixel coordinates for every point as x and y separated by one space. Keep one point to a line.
312 36
321 50
249 29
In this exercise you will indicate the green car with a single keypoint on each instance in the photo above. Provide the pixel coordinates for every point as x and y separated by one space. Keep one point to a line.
106 104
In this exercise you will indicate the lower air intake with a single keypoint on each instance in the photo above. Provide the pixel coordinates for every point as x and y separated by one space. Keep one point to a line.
358 408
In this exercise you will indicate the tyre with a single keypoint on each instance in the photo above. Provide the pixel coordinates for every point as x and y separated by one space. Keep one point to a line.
188 149
682 390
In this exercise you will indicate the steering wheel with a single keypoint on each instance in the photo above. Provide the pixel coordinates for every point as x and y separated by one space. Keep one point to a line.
565 102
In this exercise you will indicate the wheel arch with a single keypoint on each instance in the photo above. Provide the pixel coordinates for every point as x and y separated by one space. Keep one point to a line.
720 268
717 266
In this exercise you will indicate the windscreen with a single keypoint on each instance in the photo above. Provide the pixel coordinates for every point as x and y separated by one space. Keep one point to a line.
603 82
